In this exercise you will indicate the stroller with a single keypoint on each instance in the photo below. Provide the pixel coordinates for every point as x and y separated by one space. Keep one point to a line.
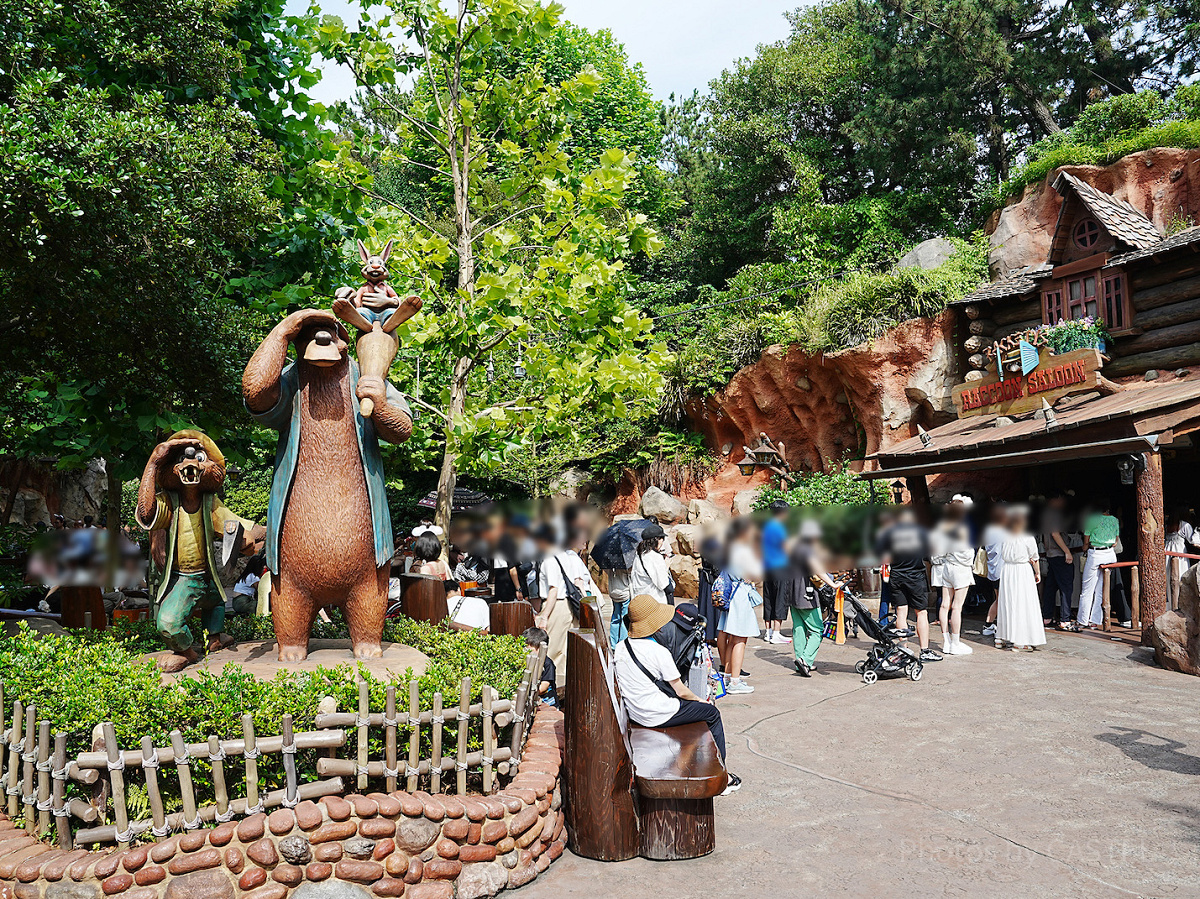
889 657
683 636
828 599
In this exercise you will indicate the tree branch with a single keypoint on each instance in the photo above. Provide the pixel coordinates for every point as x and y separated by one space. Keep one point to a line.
507 218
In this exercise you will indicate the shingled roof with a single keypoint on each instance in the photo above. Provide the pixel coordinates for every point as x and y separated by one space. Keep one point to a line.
1022 281
1120 219
1189 237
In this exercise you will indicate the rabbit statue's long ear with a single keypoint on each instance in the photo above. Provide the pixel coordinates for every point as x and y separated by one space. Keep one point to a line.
387 251
362 251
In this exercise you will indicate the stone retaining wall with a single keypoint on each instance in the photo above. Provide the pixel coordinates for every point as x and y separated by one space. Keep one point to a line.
355 847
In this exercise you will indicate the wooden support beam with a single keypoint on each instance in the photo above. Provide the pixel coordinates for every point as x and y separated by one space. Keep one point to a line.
1148 484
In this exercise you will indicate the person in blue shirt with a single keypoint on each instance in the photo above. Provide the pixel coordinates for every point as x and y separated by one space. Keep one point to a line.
777 573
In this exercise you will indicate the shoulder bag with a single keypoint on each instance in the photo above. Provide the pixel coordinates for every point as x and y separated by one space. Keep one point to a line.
574 595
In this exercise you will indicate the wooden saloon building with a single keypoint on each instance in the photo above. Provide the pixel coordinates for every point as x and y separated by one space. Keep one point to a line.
1118 420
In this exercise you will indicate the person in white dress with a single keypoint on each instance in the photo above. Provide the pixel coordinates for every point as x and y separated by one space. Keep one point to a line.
1019 617
957 559
738 621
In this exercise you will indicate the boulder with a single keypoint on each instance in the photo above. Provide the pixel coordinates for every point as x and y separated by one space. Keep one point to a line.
928 254
685 539
686 571
1175 634
570 482
662 506
743 503
701 511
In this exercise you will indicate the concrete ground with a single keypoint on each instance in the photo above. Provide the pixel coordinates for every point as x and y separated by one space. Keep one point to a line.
1070 771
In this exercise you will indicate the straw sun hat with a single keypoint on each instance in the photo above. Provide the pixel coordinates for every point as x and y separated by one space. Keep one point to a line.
647 615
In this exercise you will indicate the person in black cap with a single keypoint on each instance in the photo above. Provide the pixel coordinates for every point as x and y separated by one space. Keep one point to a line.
649 573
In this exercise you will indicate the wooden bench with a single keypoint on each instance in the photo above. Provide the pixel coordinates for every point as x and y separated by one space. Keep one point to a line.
632 790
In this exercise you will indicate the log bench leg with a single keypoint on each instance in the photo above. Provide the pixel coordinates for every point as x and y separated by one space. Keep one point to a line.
677 828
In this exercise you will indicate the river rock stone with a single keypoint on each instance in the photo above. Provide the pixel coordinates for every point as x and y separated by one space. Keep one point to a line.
201 885
415 834
72 891
663 507
330 889
359 848
295 850
481 880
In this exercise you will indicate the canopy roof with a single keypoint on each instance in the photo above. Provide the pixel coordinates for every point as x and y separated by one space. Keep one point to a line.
1133 419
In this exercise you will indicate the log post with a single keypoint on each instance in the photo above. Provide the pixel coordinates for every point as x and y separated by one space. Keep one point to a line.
389 737
435 765
62 826
918 492
1106 604
361 745
1151 540
116 775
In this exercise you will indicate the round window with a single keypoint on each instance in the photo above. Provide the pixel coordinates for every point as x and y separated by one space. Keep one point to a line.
1087 232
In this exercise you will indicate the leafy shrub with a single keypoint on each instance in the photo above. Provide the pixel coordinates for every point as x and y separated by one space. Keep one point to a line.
1108 130
84 678
247 494
840 487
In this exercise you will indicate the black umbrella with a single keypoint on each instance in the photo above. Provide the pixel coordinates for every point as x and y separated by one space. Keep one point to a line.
465 500
617 546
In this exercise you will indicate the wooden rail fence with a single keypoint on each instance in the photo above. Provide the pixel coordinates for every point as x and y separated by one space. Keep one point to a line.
35 771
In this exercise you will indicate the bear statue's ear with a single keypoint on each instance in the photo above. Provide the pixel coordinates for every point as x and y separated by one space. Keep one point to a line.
387 250
362 251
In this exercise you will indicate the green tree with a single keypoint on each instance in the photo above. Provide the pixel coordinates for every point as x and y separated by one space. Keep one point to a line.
529 269
158 166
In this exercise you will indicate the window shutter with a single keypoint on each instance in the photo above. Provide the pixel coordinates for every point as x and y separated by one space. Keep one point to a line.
1116 308
1052 306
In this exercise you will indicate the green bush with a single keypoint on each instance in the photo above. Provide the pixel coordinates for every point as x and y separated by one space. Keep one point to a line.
81 679
1108 130
247 495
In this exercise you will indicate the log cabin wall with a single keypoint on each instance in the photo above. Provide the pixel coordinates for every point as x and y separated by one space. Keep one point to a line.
1159 279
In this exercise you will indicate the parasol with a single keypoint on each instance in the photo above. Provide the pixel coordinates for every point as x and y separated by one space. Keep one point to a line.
465 500
616 547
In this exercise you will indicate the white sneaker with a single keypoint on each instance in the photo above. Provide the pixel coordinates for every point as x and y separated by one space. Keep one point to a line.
989 629
948 647
961 648
738 686
767 635
779 638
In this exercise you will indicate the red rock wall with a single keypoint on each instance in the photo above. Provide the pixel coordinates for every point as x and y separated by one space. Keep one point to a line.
1163 184
824 407
410 844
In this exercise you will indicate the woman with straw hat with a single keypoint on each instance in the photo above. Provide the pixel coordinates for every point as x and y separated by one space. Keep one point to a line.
651 687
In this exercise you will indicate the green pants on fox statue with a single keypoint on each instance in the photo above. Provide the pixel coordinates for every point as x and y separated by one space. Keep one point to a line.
183 593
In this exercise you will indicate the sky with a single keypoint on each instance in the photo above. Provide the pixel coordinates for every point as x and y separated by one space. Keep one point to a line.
682 44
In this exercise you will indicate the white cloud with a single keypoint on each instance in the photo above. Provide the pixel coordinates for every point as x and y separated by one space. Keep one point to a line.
682 44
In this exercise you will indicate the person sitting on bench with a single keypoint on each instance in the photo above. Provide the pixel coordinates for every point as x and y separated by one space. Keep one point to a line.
653 693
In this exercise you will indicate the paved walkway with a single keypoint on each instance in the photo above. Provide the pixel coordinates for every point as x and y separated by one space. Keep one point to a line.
1071 771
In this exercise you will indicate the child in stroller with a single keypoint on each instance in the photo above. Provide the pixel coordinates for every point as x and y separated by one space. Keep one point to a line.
889 657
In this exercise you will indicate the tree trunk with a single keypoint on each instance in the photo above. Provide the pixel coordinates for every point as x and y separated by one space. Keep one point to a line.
21 468
112 501
1151 537
449 477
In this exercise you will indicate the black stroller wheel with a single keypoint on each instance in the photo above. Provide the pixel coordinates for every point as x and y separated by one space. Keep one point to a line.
860 667
869 677
914 672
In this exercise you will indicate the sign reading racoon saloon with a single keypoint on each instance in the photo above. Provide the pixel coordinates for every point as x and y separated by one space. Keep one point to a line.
1054 377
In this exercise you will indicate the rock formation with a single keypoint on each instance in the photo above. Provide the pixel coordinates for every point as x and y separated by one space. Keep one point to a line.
1163 183
1175 634
827 405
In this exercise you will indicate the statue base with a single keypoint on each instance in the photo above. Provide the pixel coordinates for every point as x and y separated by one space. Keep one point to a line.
261 659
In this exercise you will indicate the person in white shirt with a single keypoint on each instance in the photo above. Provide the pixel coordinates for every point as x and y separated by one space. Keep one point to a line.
558 568
650 573
467 611
994 536
651 689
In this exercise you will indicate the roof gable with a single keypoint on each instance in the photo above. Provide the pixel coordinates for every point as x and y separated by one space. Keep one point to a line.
1121 220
